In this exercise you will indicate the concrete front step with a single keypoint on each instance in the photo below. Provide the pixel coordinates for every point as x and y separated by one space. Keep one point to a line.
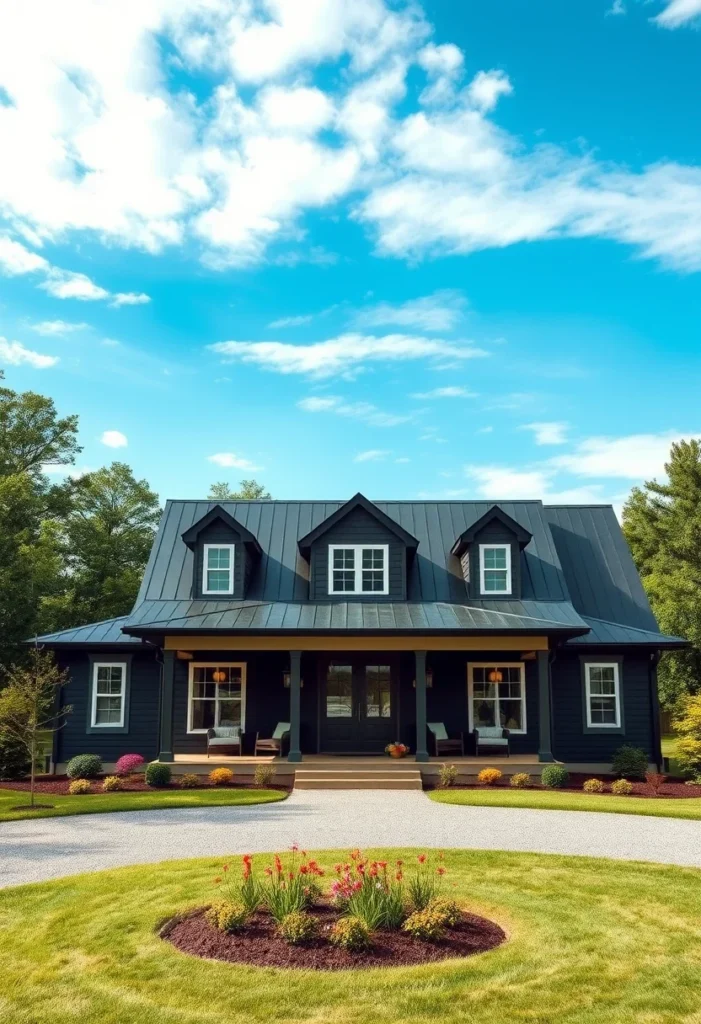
357 778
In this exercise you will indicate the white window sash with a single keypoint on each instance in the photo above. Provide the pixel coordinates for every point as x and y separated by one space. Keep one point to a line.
94 724
471 692
215 700
588 666
205 559
484 570
358 549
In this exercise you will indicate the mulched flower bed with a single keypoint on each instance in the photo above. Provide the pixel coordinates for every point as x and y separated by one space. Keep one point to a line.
674 788
57 785
259 945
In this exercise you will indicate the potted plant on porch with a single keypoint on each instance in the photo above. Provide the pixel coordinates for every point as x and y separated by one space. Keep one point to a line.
396 749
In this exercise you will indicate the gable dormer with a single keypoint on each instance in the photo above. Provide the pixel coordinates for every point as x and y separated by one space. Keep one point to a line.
490 555
358 554
224 555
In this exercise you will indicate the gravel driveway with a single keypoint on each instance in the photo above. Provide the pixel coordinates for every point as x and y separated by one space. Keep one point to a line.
31 851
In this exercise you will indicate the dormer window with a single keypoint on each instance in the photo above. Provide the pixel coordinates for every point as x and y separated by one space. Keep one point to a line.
495 568
218 569
358 568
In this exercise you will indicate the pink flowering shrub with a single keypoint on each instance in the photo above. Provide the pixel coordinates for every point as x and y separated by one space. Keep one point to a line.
128 763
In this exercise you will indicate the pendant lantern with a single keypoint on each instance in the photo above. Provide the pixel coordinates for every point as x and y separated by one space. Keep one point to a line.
495 676
219 675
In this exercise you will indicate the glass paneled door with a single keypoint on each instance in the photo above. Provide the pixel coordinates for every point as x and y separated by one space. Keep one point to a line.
357 704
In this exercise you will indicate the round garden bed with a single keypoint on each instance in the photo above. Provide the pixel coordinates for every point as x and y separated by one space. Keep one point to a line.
260 945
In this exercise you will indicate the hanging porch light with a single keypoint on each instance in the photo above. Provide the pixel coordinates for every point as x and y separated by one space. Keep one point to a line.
495 676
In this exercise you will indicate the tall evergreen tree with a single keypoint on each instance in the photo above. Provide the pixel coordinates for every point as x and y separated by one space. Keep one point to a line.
249 490
662 523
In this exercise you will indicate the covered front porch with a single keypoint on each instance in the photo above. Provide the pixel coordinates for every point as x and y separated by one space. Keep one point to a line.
348 697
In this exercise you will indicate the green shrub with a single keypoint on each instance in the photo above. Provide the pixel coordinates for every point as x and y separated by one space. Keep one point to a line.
521 780
448 909
593 786
15 762
112 783
227 916
263 775
554 776
79 786
350 933
84 766
189 781
630 761
298 928
621 787
447 775
157 775
687 723
427 925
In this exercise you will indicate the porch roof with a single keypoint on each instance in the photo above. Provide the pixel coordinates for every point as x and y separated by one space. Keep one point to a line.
603 633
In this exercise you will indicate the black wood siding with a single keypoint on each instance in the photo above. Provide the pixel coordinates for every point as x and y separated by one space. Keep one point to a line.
219 533
570 742
358 527
143 722
495 533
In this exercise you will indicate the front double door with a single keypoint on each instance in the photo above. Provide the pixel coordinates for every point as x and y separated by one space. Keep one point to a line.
358 704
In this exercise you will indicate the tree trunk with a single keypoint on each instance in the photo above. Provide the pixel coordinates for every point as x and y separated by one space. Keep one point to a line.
32 771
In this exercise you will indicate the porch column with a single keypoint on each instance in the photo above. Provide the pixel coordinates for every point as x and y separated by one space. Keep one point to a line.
295 753
167 686
421 751
545 741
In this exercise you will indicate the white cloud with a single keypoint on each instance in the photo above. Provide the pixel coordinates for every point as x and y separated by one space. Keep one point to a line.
291 321
617 7
547 433
64 284
130 299
372 455
486 87
436 313
229 460
678 12
342 355
636 457
446 392
503 482
58 327
114 439
365 411
16 354
17 259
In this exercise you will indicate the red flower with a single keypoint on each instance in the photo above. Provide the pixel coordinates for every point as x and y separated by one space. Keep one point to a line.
440 871
399 876
400 863
225 867
304 869
217 881
278 864
421 858
382 864
268 871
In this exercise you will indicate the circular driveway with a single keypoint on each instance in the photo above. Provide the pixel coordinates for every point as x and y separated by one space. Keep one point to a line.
32 851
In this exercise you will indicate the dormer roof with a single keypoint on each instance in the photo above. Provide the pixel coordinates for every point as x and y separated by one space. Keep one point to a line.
357 501
218 514
495 513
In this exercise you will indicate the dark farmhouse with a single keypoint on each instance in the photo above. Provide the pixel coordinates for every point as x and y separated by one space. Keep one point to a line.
363 623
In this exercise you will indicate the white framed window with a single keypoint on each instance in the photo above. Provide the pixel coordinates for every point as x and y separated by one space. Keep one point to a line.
496 693
109 683
495 568
602 695
216 695
218 569
358 569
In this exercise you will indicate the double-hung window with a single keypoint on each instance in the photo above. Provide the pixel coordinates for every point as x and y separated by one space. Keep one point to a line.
358 568
218 569
497 696
495 568
108 695
602 695
217 696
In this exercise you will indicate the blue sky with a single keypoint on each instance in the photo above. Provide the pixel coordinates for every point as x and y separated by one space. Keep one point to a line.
448 251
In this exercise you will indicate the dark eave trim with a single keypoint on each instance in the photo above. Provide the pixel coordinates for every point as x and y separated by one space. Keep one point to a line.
357 501
495 512
563 631
190 535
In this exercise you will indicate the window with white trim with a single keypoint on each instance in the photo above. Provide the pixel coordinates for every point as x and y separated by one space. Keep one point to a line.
218 569
602 695
216 695
358 569
497 695
109 681
495 568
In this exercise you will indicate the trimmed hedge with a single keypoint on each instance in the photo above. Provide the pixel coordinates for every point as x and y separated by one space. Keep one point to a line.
84 766
157 775
554 776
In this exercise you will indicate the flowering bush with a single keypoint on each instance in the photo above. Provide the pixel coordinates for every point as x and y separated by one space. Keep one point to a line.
520 780
447 775
128 763
157 775
350 933
84 766
448 909
263 775
189 780
621 787
292 888
554 776
427 925
298 928
79 786
489 776
221 776
246 891
112 783
370 891
593 786
425 884
227 916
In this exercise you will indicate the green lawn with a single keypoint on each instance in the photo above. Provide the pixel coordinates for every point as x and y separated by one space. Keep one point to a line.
145 801
590 942
553 800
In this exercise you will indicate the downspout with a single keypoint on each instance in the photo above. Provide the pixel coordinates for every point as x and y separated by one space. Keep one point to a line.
655 711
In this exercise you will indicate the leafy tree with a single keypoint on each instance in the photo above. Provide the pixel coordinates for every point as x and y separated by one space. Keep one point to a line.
687 724
662 523
29 705
106 537
249 490
31 434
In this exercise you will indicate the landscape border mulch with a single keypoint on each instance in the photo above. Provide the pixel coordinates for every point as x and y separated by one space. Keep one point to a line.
259 945
57 785
675 789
